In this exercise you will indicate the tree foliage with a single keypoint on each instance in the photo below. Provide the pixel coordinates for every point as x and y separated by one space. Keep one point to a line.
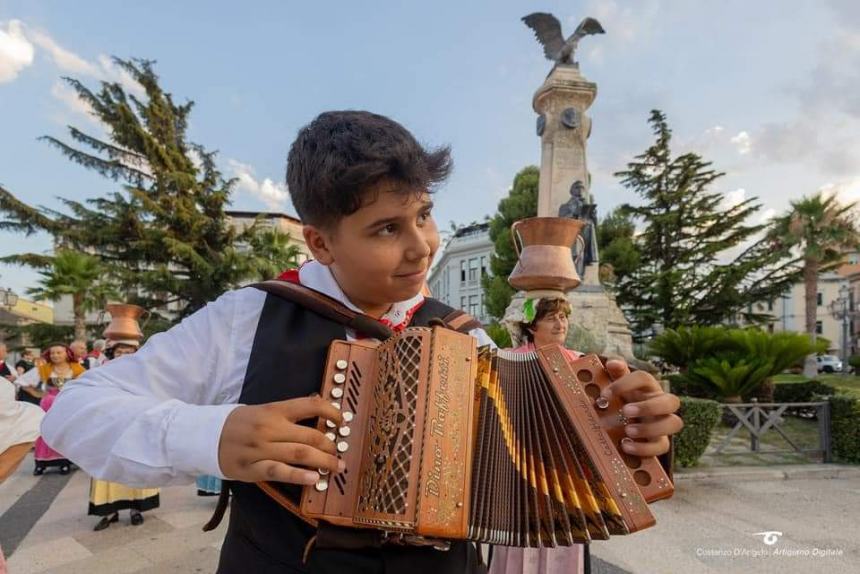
687 273
520 203
164 233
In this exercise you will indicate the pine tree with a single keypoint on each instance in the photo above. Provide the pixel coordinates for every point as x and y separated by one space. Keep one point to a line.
164 234
520 204
686 274
619 255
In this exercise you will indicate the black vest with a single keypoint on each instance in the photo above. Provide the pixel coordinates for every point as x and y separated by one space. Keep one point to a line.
286 362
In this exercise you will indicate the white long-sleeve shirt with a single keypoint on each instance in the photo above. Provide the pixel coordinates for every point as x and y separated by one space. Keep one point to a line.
154 418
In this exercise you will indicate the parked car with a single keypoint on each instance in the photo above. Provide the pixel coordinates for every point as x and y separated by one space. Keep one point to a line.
828 364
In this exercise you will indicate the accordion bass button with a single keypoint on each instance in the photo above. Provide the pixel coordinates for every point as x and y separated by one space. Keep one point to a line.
347 416
337 392
342 446
341 364
339 378
343 431
321 485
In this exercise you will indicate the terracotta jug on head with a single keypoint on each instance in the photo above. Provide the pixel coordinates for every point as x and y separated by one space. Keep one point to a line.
123 322
543 245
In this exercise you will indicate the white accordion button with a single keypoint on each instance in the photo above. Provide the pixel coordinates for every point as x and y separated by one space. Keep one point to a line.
343 431
339 378
601 403
342 446
347 416
330 424
337 392
335 404
321 485
331 436
322 471
341 364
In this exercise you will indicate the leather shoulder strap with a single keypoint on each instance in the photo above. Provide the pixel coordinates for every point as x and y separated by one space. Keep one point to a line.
461 321
325 306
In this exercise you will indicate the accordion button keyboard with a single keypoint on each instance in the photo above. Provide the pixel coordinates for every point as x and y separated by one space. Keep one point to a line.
337 392
343 431
347 416
342 446
339 378
321 485
341 364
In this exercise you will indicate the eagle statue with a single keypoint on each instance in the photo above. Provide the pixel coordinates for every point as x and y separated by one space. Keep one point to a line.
547 29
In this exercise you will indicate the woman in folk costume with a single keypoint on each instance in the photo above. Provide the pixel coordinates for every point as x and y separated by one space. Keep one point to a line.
19 428
108 498
58 369
542 322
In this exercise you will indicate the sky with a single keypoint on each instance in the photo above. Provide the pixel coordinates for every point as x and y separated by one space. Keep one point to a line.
769 91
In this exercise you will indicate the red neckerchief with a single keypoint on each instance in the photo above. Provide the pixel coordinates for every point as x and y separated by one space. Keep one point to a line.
292 275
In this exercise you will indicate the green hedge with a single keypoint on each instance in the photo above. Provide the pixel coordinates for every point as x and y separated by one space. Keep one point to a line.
804 392
700 417
845 428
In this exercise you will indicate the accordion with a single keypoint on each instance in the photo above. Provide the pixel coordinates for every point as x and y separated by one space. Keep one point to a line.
444 441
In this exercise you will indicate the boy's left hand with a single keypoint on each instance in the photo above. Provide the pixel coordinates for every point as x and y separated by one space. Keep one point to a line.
647 403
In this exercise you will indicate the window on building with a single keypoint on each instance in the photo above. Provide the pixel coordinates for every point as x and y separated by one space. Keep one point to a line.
463 303
770 328
819 329
474 305
484 269
463 271
473 269
770 306
820 299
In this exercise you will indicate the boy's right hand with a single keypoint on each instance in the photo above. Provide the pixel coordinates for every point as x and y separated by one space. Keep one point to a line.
264 442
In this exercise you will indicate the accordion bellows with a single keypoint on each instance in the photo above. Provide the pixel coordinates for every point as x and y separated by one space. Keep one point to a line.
448 441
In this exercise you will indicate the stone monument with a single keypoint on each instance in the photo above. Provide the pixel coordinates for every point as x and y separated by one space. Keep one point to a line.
596 324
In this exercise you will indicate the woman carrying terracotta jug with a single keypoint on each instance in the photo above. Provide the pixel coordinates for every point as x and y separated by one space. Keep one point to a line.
107 498
542 322
59 367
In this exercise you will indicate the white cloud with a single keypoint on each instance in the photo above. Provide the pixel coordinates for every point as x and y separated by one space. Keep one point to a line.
273 194
64 59
734 197
742 142
66 94
846 191
767 215
16 52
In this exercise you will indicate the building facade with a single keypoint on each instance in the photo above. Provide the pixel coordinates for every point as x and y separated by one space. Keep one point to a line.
463 262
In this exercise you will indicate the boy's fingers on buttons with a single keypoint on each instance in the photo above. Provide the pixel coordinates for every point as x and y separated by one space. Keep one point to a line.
309 436
617 368
638 381
643 448
310 407
302 455
657 427
658 404
275 471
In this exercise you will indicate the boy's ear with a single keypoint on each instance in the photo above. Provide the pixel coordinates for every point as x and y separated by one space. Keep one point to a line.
319 242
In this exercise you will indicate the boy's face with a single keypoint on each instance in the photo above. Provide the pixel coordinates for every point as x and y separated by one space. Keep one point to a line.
380 254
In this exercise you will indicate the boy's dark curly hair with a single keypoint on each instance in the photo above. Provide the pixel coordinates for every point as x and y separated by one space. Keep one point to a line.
339 155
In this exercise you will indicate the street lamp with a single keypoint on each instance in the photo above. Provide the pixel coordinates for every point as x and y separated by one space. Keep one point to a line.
840 309
8 298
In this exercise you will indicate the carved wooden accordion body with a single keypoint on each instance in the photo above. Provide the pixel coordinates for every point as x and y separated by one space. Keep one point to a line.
446 441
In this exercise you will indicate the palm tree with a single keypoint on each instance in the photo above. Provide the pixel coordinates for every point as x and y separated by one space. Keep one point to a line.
269 252
77 274
822 230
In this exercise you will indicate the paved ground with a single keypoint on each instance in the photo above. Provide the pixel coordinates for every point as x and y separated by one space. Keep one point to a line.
712 513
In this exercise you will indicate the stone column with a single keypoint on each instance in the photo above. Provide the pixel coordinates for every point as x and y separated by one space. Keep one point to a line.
564 128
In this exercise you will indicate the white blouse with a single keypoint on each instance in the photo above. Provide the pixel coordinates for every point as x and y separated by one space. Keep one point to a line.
154 418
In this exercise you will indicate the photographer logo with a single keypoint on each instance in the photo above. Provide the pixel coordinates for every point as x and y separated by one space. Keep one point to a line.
769 537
